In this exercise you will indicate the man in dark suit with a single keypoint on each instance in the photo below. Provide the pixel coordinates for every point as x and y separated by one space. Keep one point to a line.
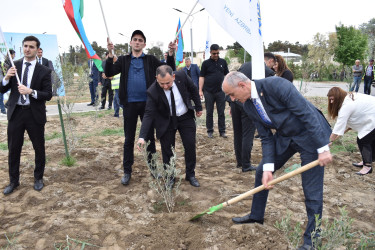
40 59
169 108
27 111
93 84
274 103
106 86
192 70
137 74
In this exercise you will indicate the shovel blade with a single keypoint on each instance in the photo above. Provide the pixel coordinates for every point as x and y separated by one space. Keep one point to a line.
208 211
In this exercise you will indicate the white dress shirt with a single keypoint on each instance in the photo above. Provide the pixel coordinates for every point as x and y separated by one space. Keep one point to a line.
255 96
358 115
30 74
181 108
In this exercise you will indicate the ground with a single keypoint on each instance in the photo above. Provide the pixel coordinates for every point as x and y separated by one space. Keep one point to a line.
87 201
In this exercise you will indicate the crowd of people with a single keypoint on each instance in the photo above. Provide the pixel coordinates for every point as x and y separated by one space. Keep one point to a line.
168 101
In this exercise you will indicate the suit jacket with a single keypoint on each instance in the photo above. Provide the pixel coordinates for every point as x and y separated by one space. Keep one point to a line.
41 82
293 117
157 111
105 82
44 61
122 65
194 71
246 69
94 72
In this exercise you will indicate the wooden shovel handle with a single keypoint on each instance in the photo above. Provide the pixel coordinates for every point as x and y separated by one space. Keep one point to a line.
274 181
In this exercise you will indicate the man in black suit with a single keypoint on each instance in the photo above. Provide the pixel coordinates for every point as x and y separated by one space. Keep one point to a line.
169 108
274 103
106 86
40 59
137 74
27 111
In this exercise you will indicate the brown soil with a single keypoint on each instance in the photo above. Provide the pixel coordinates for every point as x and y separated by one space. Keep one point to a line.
88 202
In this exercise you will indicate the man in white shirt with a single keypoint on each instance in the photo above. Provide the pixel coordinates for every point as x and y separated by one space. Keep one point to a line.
27 111
169 108
274 103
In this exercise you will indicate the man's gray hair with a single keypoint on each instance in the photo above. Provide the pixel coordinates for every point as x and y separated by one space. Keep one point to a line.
163 70
234 77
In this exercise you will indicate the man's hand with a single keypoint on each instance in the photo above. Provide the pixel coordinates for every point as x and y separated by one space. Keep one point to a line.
324 158
198 113
267 177
104 76
110 48
11 72
201 94
24 90
140 144
172 47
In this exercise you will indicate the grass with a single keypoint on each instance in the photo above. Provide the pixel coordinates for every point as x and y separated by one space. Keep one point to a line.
68 161
11 241
73 244
52 136
114 131
3 146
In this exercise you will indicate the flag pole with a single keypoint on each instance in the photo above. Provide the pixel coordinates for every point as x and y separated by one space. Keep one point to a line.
10 58
178 32
105 23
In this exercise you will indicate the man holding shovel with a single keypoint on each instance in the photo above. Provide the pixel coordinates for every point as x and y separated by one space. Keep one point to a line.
274 103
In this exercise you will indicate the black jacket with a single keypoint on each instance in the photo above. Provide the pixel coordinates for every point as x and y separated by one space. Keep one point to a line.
150 63
157 111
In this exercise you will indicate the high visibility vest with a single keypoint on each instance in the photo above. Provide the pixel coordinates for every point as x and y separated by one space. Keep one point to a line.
115 82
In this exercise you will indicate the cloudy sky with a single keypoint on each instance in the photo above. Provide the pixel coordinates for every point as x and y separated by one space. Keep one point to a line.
287 20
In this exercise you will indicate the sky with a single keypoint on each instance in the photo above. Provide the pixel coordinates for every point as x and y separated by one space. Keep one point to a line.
287 20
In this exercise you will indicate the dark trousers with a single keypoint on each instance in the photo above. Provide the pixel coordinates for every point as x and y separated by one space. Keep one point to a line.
105 89
23 119
131 112
312 183
2 106
93 94
116 103
366 146
210 99
367 84
187 129
243 133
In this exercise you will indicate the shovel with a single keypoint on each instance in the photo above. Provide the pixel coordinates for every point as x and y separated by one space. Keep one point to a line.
256 190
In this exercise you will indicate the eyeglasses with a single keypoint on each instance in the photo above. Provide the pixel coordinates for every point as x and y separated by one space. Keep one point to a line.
217 53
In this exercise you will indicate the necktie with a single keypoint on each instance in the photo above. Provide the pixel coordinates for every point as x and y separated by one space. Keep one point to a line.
24 81
40 60
261 112
174 116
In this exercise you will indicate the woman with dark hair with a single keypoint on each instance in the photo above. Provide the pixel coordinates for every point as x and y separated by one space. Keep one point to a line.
354 111
281 68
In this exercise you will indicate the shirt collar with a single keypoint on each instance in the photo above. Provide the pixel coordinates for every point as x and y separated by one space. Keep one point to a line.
33 62
143 54
254 91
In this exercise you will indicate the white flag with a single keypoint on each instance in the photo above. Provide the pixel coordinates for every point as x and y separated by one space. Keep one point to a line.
242 20
208 41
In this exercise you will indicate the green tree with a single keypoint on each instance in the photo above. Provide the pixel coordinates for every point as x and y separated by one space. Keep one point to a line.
297 48
100 51
352 45
121 49
236 50
319 54
369 30
156 51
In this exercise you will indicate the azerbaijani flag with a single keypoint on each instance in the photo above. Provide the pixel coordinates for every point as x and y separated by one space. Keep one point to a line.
74 11
180 45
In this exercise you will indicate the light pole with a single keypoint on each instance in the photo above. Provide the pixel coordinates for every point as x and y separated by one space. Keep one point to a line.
191 18
128 42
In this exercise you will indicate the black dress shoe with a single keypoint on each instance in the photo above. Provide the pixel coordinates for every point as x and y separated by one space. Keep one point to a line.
125 179
193 181
239 166
246 219
38 184
102 107
223 135
249 168
91 104
210 135
357 165
109 108
9 189
305 247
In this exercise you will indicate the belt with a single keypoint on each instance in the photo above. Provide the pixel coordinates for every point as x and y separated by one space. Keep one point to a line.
24 106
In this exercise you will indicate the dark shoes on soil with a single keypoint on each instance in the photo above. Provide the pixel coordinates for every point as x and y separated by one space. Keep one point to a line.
249 168
357 165
305 247
246 219
126 179
210 135
223 135
10 188
38 184
193 181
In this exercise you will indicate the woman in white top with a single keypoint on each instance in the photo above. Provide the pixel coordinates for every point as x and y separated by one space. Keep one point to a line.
354 111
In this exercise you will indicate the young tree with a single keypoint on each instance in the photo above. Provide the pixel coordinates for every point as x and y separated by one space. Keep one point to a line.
369 29
352 45
319 55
